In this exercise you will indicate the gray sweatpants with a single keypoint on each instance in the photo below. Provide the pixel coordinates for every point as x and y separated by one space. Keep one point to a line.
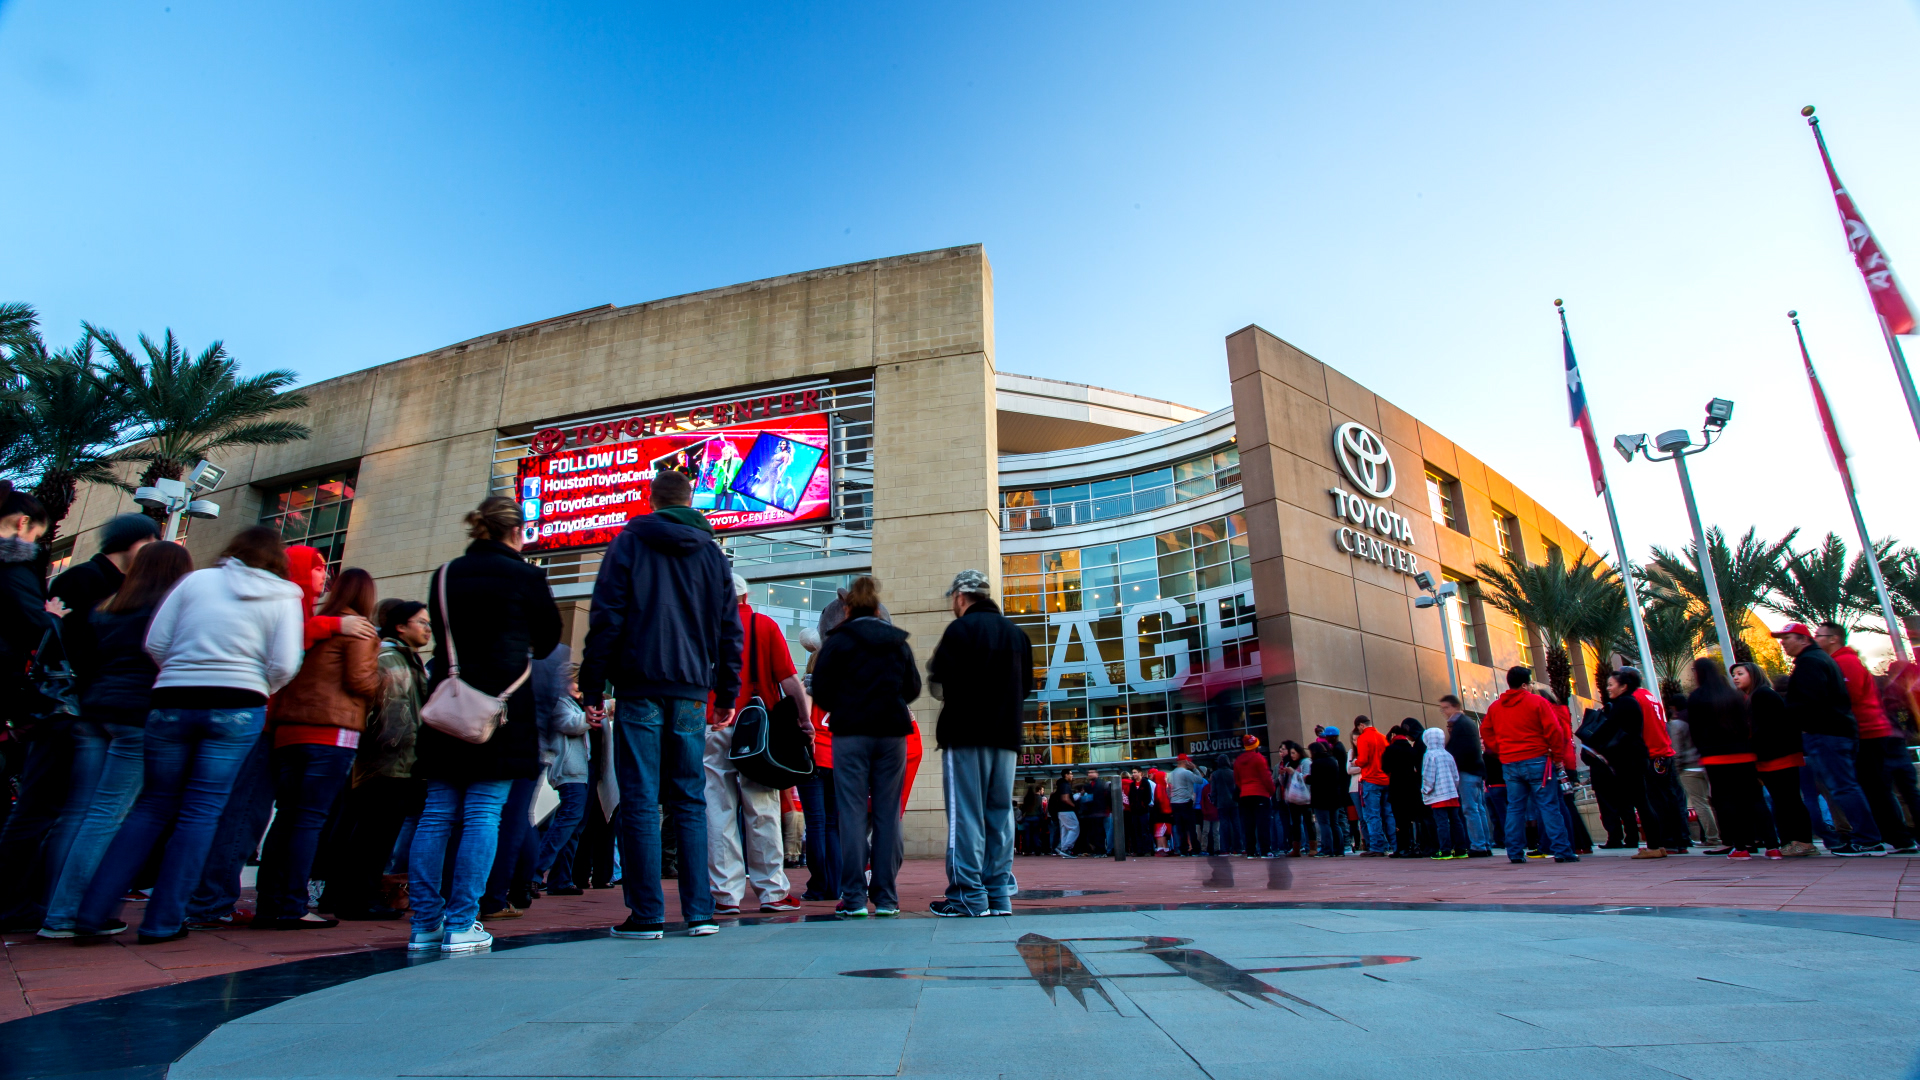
979 790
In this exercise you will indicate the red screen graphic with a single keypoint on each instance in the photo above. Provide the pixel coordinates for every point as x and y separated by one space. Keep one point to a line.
582 497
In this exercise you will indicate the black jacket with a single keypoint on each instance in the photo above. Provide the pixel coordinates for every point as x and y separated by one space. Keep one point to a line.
1622 738
1775 735
1817 696
503 617
1463 742
983 671
1721 726
1327 779
23 616
82 588
1401 760
865 678
665 620
119 673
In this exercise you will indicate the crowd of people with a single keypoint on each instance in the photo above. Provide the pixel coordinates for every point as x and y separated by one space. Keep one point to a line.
165 722
1740 766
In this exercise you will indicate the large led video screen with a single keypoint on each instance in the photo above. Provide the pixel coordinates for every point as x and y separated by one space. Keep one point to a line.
761 475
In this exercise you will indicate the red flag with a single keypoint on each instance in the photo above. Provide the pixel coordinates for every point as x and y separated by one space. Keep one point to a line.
1577 405
1832 430
1884 289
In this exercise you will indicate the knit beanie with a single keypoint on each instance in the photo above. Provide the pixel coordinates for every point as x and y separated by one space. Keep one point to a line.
122 531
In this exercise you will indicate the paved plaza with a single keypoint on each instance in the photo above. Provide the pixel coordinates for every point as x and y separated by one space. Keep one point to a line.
1144 969
1148 995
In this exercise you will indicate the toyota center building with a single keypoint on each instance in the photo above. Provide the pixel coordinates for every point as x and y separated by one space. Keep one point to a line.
1187 577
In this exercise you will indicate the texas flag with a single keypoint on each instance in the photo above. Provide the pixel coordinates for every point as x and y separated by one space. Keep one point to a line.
1577 404
1888 299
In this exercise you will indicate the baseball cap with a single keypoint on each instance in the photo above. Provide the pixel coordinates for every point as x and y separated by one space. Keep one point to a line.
1329 730
1794 628
971 582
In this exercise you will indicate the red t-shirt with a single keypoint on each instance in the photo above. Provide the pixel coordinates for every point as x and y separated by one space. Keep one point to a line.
766 647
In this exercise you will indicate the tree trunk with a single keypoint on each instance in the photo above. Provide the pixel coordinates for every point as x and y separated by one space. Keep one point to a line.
1602 667
57 493
171 470
1559 671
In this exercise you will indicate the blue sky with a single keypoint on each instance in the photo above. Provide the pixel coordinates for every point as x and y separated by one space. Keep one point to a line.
1401 190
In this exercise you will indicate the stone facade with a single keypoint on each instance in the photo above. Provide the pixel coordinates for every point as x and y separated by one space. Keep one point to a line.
422 430
1339 635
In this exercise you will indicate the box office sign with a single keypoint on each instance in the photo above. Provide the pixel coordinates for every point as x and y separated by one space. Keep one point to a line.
1364 459
759 475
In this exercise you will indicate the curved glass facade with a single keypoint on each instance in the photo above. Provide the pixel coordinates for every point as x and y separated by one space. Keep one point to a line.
1143 648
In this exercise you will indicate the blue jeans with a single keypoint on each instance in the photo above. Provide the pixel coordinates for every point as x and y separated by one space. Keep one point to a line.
1497 813
657 755
823 835
108 760
242 826
475 807
1473 807
192 757
1376 814
514 848
306 781
979 782
560 829
1531 789
1333 831
1830 758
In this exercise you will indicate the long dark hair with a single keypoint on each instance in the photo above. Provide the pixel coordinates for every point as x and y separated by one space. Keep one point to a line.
1714 700
353 594
156 568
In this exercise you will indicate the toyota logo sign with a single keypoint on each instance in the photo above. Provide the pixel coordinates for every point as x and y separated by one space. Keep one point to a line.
1363 457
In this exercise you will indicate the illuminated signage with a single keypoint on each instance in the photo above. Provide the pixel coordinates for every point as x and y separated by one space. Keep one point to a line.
764 474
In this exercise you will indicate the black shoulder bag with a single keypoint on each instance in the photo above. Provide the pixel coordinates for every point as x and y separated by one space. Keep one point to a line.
769 748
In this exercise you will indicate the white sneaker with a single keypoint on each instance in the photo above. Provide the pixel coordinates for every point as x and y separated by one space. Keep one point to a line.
467 940
702 929
423 940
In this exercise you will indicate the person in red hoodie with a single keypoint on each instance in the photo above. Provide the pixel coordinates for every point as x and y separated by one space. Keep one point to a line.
1376 809
1253 775
1880 760
1523 732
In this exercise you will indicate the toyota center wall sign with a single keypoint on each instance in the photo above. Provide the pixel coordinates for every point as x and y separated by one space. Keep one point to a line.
1368 466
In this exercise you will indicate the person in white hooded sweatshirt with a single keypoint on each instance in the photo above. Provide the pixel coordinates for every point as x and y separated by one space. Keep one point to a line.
1440 791
224 639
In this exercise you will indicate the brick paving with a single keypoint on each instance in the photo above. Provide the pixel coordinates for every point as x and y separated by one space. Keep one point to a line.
44 975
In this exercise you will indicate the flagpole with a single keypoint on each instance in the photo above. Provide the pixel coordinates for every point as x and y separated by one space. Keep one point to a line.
1893 343
1619 544
1853 500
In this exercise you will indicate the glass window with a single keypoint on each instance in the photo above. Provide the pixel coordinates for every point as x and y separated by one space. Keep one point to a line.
1021 498
1506 532
314 512
1443 500
1463 615
1120 496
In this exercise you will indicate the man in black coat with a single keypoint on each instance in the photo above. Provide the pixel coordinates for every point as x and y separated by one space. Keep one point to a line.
665 631
982 672
1818 701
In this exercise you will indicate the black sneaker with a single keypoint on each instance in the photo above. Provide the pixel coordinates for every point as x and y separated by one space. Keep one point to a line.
1849 851
1480 854
947 909
1910 849
643 931
1566 858
160 939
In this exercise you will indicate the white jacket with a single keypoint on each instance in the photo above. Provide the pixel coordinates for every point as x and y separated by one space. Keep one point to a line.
1439 773
232 626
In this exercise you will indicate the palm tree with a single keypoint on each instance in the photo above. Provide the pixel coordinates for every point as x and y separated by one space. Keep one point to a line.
1821 586
185 408
1557 598
1746 575
17 325
60 426
1603 622
1674 631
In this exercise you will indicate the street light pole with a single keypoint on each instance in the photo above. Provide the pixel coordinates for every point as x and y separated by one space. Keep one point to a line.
1437 596
1677 445
1707 577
